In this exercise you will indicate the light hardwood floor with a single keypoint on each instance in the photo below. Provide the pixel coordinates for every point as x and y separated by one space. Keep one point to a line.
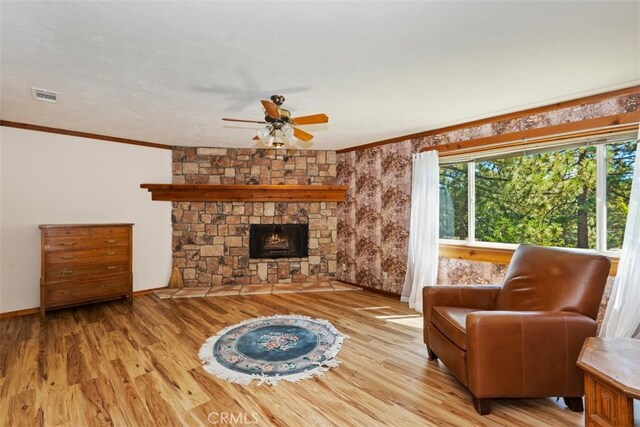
109 364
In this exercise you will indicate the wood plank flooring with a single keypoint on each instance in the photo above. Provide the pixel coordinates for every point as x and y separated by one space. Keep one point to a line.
110 364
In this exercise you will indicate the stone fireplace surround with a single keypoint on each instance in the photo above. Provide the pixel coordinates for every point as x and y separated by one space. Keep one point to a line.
211 239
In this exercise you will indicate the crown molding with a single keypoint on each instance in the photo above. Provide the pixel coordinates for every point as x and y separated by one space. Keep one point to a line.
79 134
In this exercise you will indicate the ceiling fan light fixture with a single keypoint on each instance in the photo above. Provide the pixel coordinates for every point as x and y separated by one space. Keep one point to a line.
270 141
287 130
279 130
264 133
288 133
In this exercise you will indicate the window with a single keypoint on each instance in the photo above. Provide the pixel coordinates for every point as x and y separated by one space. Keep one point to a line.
454 208
573 195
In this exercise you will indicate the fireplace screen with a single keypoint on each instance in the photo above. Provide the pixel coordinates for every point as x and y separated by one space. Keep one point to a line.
278 240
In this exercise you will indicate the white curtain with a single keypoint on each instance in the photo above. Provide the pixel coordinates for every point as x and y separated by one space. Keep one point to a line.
422 261
622 318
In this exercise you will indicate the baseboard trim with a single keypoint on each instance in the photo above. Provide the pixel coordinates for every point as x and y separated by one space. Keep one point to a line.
144 292
376 291
23 312
36 310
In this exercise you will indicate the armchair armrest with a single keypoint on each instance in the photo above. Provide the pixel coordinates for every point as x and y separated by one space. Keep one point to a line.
524 353
469 296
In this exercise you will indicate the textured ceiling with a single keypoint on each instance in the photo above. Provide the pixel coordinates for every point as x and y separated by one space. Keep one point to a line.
167 72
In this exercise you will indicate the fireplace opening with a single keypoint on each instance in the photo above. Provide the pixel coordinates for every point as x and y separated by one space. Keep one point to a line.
278 240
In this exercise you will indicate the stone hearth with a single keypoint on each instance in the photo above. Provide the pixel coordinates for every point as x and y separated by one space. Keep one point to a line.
264 289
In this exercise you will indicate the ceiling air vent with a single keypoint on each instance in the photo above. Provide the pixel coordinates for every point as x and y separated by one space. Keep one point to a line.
44 95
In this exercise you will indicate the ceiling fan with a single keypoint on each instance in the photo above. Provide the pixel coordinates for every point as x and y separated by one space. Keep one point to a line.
280 126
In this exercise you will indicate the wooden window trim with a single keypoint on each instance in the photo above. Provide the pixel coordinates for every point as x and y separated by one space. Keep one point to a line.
550 134
494 255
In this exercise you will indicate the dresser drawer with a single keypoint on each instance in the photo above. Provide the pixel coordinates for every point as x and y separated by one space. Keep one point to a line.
87 256
109 232
68 232
73 272
67 244
70 293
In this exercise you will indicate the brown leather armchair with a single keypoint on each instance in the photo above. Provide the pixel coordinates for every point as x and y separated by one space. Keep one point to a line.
521 339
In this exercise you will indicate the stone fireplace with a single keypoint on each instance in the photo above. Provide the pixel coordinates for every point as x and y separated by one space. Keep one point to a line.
211 240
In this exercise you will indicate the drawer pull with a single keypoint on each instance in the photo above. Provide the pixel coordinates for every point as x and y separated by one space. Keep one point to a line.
66 292
111 267
68 257
68 272
69 244
111 253
111 241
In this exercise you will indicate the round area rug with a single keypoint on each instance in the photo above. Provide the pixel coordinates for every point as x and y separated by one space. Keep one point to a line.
271 349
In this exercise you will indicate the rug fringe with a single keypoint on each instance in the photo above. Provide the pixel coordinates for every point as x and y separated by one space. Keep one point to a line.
214 367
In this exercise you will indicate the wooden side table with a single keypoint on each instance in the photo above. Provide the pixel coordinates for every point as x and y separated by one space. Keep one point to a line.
611 380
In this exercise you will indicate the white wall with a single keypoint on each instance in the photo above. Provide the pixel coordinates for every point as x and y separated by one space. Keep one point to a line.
56 179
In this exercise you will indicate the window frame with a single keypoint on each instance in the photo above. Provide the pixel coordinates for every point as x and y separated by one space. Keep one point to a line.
472 246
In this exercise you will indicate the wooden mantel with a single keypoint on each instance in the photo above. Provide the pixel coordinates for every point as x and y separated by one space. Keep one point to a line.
246 193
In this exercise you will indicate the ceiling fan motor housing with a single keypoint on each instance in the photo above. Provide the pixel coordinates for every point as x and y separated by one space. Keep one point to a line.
285 117
277 99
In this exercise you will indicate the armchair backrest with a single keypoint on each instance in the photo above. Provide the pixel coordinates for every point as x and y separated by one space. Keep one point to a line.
549 279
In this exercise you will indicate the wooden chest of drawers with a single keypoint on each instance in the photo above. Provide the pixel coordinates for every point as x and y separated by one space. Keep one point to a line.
84 263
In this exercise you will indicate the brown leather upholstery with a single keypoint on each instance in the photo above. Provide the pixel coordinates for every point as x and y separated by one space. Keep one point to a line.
553 280
542 347
480 296
452 322
521 339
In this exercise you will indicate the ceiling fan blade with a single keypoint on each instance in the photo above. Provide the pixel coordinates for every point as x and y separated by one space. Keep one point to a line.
311 120
271 109
243 121
302 135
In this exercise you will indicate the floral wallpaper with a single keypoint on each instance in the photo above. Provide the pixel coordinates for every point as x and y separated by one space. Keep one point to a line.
373 222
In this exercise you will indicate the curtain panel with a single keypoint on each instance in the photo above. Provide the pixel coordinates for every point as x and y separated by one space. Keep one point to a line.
422 259
622 318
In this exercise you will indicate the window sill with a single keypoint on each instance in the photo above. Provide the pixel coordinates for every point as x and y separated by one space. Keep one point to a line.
496 253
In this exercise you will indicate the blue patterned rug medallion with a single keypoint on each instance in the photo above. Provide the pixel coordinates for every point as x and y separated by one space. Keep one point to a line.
271 349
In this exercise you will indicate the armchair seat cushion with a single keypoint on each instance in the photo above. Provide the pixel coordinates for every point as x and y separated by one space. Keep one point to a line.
451 321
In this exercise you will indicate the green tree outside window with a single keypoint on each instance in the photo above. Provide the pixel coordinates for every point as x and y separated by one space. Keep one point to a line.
546 198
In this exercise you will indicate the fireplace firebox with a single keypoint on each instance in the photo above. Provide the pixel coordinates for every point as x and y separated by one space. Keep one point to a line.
278 240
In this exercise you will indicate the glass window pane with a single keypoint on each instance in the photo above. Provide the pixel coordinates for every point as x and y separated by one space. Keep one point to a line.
544 199
620 161
454 209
